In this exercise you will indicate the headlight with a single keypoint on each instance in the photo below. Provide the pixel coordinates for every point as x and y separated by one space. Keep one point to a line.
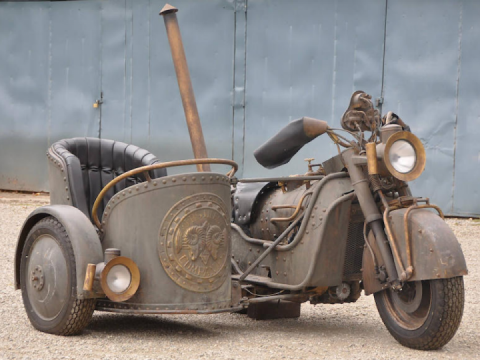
404 156
120 278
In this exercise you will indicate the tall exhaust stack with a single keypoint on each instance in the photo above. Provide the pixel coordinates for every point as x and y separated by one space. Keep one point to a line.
185 85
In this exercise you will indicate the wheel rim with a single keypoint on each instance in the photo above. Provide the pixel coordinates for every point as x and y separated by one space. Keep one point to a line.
410 306
46 278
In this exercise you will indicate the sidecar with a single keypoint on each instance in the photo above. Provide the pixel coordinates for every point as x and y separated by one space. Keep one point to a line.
122 236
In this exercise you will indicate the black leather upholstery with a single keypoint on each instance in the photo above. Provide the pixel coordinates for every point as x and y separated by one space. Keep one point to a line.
92 163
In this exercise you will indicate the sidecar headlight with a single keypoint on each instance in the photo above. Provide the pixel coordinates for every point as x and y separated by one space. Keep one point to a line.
404 156
120 278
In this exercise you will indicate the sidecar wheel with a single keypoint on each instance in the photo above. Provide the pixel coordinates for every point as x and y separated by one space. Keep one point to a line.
48 281
426 314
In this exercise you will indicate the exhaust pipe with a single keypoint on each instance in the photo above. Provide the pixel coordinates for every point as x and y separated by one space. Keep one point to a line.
185 85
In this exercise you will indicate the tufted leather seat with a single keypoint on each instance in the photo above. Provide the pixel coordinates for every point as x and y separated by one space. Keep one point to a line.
92 163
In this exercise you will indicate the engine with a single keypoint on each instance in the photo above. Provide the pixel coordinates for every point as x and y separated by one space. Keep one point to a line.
266 211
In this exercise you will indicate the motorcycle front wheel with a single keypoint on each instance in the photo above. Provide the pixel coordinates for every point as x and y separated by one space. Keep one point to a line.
424 315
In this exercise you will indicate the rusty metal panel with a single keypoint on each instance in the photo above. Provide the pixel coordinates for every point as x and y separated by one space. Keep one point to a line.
436 253
56 62
238 138
466 199
305 60
74 73
311 245
178 272
420 85
49 77
255 65
142 103
24 73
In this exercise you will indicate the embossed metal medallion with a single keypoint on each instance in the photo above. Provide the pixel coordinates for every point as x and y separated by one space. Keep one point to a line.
194 242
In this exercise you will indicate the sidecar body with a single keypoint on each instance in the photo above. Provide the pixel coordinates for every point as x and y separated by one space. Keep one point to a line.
161 243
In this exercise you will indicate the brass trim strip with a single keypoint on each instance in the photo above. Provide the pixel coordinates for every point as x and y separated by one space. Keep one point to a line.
372 164
391 238
295 213
89 277
147 168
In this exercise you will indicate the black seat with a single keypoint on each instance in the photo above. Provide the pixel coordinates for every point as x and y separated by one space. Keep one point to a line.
92 163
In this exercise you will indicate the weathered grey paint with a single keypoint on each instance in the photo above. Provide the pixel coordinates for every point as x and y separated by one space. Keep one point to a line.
306 60
466 191
421 82
255 65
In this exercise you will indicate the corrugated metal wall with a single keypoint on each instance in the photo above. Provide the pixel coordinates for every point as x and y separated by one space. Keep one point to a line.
432 81
255 65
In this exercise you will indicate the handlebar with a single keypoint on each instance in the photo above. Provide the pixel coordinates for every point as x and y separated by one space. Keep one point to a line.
279 149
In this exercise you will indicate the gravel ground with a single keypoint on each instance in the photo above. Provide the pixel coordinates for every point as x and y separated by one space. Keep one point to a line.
333 331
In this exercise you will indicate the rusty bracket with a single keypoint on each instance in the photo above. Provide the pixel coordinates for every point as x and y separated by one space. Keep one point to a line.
407 231
412 204
297 208
404 274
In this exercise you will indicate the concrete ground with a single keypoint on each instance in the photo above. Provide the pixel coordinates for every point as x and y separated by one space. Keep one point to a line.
352 331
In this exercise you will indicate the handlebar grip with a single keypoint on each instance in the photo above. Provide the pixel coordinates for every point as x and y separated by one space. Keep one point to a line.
279 149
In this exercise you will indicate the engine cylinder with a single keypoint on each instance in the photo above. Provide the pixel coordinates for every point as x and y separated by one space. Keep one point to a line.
273 211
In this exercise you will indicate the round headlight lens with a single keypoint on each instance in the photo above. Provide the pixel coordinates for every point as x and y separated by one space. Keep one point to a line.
402 156
119 278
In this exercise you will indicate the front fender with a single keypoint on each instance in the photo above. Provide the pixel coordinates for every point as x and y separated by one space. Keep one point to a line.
436 252
85 241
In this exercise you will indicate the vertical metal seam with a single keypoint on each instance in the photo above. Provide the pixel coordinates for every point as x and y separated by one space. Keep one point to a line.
244 87
131 81
239 83
101 71
382 90
49 95
334 75
233 75
125 70
148 76
459 66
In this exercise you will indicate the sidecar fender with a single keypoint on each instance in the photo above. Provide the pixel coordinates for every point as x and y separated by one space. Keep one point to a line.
85 241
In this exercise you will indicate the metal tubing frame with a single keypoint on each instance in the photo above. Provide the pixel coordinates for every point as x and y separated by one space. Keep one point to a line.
308 212
288 297
405 273
370 210
282 179
305 281
408 272
270 248
297 208
169 312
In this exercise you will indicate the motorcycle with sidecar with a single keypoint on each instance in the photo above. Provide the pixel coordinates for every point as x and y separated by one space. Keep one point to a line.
123 236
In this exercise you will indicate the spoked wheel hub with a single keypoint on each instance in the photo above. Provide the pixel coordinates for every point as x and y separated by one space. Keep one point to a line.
409 298
37 279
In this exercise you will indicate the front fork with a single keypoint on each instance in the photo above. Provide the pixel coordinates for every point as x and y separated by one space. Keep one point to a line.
373 217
